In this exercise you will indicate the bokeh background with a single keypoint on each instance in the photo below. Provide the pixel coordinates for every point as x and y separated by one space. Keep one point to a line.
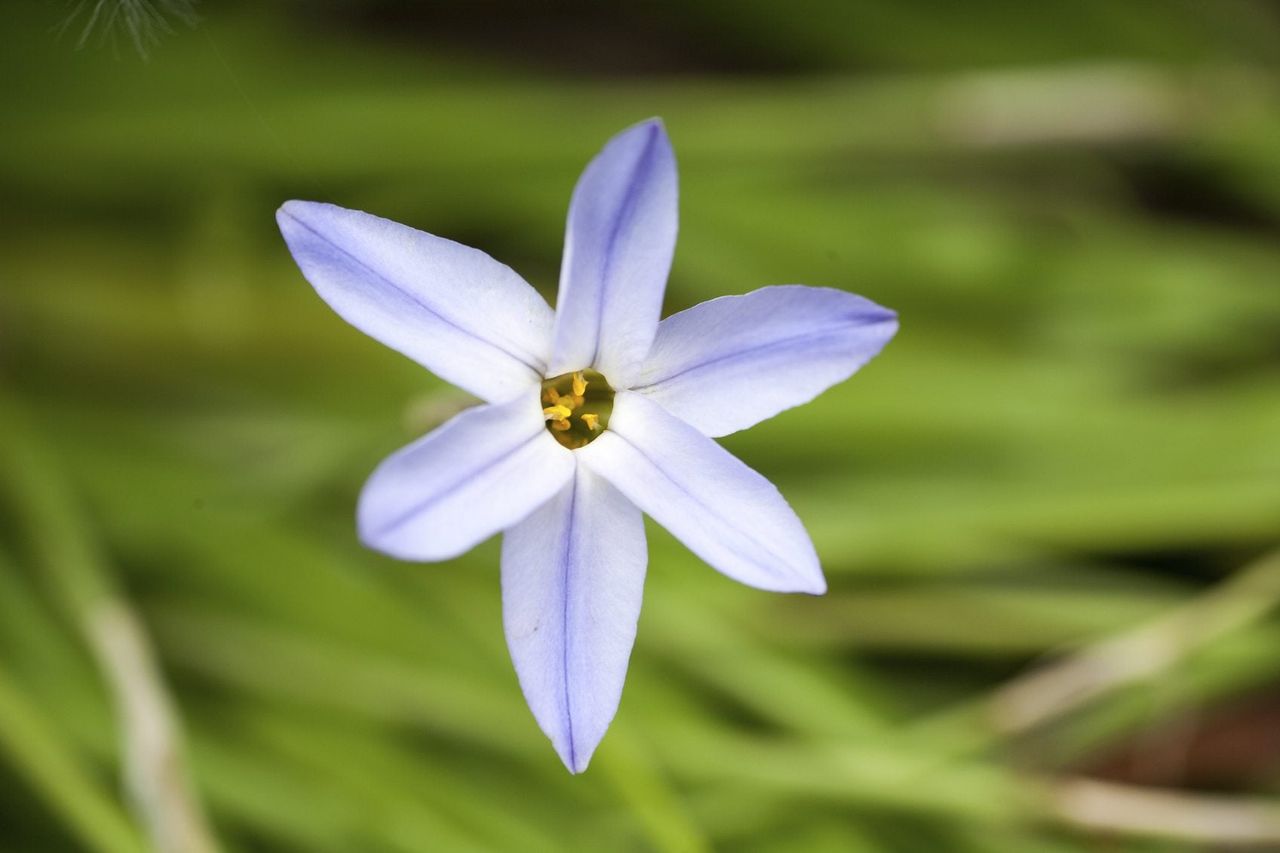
1048 511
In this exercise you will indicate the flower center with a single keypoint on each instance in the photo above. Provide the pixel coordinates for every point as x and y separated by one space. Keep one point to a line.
577 407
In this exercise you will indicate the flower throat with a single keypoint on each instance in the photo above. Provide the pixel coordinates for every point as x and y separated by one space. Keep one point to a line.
577 407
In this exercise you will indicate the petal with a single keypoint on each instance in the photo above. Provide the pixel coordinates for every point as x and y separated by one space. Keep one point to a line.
465 317
732 362
719 508
480 473
572 581
617 254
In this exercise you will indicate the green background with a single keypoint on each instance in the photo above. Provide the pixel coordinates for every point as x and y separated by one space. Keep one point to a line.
1045 511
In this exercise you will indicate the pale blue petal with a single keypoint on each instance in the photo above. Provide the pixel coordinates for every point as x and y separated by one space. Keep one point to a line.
465 317
572 581
719 508
480 473
617 255
732 362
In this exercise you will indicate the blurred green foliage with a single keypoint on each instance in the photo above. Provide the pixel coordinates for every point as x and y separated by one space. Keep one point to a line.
1074 208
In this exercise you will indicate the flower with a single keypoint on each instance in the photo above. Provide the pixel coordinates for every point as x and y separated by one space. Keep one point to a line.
592 416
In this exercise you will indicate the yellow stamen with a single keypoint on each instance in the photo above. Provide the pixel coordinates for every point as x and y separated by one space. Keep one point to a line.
577 406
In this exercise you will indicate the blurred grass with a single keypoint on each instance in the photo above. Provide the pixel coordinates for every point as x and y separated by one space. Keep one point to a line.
1073 207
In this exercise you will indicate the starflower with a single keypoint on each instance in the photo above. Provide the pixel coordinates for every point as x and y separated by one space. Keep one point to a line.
592 416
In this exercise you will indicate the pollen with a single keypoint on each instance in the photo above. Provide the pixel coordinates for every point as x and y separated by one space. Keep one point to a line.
577 407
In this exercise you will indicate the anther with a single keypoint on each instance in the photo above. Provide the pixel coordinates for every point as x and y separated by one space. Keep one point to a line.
577 407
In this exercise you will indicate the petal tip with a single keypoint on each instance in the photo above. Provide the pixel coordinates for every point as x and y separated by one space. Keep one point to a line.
654 131
806 578
890 322
380 530
291 209
300 211
372 535
810 582
375 526
575 765
292 218
384 541
366 530
284 217
576 757
876 319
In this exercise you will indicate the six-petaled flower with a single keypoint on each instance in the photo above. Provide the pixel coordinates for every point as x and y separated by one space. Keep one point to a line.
592 415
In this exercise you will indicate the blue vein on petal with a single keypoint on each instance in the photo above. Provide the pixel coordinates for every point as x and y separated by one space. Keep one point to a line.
566 567
817 339
425 505
711 512
536 368
639 179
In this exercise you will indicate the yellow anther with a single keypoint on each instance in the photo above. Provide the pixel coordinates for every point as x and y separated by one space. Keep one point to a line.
577 406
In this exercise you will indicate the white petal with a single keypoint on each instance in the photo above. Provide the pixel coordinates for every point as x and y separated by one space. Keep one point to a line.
719 508
732 362
617 255
480 473
572 581
465 317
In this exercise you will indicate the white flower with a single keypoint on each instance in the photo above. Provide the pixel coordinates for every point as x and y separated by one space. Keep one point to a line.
592 415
